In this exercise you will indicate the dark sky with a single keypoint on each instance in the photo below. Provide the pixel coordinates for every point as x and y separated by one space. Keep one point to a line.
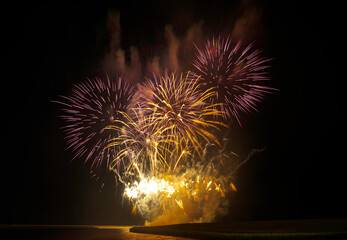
50 47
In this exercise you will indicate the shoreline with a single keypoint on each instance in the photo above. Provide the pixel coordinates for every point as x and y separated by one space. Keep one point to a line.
271 229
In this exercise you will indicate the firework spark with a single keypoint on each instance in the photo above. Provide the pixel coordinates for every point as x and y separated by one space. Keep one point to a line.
93 105
236 72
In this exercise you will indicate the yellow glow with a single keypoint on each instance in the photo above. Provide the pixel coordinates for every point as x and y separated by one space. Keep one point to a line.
149 187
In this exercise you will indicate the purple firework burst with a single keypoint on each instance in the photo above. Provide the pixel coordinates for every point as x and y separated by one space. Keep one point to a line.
236 72
94 105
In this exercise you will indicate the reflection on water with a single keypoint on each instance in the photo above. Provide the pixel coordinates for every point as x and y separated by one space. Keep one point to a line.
124 234
55 232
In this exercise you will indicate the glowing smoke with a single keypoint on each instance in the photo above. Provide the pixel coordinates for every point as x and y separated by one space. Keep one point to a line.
191 194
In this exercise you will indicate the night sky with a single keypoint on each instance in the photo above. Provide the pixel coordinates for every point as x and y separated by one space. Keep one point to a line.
50 47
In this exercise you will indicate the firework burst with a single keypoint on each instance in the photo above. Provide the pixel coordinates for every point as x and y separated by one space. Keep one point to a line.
180 110
93 105
236 72
142 149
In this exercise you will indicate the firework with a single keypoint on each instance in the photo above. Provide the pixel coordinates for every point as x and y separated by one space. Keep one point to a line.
236 72
162 140
93 105
180 111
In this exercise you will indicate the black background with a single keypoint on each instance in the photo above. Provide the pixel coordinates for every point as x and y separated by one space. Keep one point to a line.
48 48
